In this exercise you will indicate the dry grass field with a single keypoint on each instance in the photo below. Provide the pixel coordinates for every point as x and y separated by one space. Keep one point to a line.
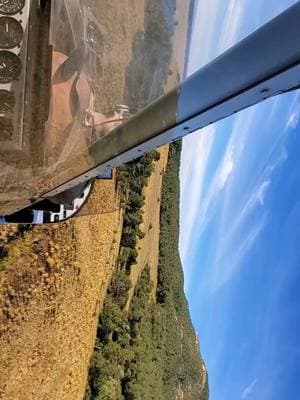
148 247
52 286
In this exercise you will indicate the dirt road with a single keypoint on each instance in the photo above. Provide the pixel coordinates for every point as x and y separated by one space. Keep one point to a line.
148 247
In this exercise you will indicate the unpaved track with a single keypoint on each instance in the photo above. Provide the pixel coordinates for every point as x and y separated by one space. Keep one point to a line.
148 247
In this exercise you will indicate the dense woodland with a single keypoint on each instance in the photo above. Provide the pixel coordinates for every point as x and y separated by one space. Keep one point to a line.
151 351
131 179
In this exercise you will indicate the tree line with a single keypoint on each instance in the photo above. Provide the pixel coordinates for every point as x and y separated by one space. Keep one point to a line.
150 351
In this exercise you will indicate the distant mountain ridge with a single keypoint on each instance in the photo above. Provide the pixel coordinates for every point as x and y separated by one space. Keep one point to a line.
188 376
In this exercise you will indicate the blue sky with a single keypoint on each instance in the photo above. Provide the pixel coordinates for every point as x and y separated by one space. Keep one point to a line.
240 225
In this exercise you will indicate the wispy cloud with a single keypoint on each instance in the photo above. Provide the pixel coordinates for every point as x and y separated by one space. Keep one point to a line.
206 21
280 159
233 237
236 228
249 389
199 195
198 203
262 191
229 257
293 121
214 23
194 160
216 29
257 197
226 169
294 114
232 24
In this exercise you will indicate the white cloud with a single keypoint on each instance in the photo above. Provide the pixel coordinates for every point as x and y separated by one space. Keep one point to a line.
194 160
234 149
257 197
197 200
216 28
231 225
262 191
200 196
205 25
209 24
231 26
226 169
294 119
281 158
294 113
230 256
249 389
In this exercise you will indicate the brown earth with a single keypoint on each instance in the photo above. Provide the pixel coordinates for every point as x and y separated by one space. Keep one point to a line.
52 286
148 247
